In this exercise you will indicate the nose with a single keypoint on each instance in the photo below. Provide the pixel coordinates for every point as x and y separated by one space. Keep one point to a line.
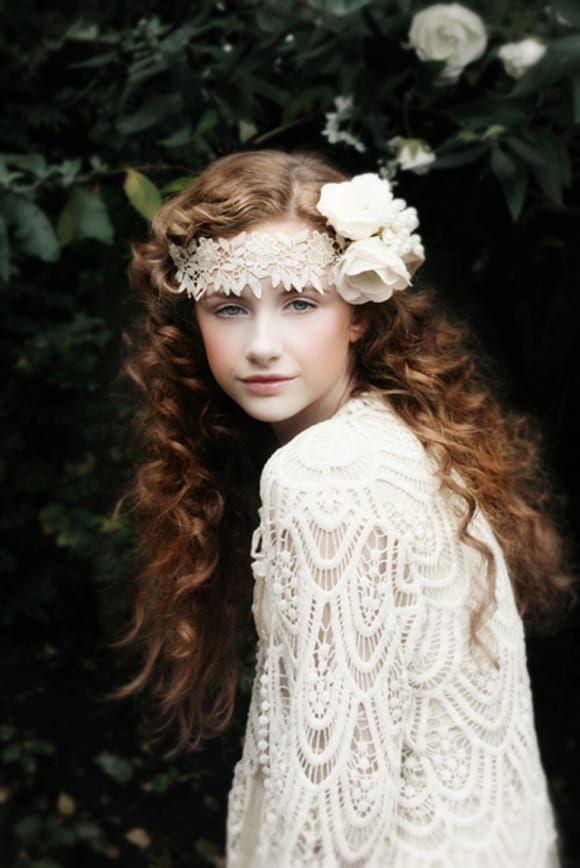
264 344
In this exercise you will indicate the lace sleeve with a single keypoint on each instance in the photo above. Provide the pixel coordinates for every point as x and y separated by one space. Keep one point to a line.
334 683
377 734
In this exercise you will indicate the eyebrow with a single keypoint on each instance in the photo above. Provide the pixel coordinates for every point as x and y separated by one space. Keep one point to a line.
220 295
247 291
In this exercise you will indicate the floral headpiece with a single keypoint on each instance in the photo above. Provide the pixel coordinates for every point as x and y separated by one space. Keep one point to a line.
230 264
372 253
380 250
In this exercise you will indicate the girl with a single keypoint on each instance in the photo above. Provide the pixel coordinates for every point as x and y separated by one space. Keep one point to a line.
400 536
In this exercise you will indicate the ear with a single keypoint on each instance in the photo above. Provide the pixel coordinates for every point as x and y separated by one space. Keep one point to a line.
359 324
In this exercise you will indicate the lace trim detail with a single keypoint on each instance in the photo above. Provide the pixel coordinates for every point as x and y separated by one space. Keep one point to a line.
230 265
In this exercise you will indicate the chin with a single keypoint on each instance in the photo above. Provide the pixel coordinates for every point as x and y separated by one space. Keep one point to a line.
266 415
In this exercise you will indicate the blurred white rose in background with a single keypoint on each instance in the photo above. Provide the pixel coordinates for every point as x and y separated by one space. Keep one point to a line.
517 57
449 32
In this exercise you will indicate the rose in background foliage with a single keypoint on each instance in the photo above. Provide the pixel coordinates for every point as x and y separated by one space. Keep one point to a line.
451 33
152 118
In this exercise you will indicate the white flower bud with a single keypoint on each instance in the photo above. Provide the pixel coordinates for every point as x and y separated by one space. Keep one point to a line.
414 155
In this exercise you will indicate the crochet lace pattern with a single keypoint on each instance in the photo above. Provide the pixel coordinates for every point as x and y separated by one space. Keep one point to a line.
230 264
378 735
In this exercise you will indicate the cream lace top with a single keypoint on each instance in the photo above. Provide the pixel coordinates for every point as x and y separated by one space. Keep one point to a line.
377 735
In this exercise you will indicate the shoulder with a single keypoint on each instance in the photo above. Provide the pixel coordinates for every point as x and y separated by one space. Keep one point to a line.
364 444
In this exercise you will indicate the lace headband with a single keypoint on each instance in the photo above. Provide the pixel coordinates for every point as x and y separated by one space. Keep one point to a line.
229 265
373 252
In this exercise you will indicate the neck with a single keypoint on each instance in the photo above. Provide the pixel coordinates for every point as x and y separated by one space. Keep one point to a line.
318 411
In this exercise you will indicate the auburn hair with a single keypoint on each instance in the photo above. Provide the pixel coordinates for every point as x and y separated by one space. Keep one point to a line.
195 495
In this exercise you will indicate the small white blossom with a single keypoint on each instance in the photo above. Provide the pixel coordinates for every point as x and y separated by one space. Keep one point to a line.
343 104
449 32
334 130
518 57
413 155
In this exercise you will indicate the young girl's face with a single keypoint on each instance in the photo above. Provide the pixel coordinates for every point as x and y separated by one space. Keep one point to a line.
286 357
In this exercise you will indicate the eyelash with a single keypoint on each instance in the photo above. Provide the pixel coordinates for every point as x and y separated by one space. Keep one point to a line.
309 304
222 311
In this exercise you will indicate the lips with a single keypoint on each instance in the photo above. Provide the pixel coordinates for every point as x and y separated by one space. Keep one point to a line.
266 384
269 378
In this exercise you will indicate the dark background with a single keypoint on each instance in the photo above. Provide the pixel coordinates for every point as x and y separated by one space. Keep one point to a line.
91 90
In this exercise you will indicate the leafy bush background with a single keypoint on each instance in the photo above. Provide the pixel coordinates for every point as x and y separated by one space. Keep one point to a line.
110 106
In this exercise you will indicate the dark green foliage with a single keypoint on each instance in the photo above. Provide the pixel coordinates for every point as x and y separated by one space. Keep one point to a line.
164 92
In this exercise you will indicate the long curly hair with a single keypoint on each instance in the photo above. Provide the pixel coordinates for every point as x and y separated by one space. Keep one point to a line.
195 495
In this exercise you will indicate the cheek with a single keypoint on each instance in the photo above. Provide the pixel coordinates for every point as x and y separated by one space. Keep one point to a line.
328 343
218 346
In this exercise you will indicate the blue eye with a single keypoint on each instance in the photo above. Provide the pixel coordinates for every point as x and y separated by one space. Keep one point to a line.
300 305
229 310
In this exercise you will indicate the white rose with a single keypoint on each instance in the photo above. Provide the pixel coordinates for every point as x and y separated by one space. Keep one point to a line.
449 32
517 57
413 155
370 271
357 208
